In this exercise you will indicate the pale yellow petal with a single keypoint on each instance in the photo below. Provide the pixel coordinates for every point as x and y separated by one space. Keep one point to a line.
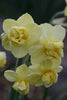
18 50
56 62
2 59
47 31
34 33
21 86
34 79
8 23
38 57
58 69
66 1
25 19
22 71
48 84
65 11
10 75
58 33
5 41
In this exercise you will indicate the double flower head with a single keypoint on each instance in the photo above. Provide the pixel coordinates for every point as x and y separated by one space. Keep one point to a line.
44 43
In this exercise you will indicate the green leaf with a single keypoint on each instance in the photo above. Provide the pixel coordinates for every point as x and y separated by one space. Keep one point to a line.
58 91
62 97
57 15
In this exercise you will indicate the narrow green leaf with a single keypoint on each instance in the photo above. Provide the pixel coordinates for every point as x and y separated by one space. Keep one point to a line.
62 97
58 91
57 15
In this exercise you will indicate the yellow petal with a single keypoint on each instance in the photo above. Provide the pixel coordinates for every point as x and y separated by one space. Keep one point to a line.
22 71
66 1
58 69
8 23
47 83
55 62
25 19
47 31
65 11
2 59
10 75
18 50
38 57
5 41
21 86
34 79
58 33
34 33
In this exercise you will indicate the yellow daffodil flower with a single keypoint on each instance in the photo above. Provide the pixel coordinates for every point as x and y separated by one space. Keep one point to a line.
19 35
20 79
65 10
44 74
50 45
2 59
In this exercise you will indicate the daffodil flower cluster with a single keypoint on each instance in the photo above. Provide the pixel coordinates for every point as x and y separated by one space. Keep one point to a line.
44 43
2 59
65 10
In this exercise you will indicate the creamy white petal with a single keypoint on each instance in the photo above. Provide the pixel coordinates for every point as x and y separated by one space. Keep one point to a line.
22 71
34 33
8 23
65 11
25 19
58 33
47 31
58 69
18 50
5 41
10 75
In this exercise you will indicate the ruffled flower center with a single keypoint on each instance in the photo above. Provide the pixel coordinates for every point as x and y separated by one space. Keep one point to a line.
49 76
54 49
22 86
18 34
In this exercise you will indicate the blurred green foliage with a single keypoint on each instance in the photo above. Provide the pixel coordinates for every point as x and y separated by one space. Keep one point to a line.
41 10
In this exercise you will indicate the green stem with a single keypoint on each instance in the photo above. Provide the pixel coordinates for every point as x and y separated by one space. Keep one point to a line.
12 94
45 93
25 97
59 14
18 62
15 95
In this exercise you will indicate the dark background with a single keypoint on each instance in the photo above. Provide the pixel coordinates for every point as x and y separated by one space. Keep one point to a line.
41 11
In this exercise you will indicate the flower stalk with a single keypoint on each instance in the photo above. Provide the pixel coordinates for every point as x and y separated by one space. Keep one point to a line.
13 94
45 93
